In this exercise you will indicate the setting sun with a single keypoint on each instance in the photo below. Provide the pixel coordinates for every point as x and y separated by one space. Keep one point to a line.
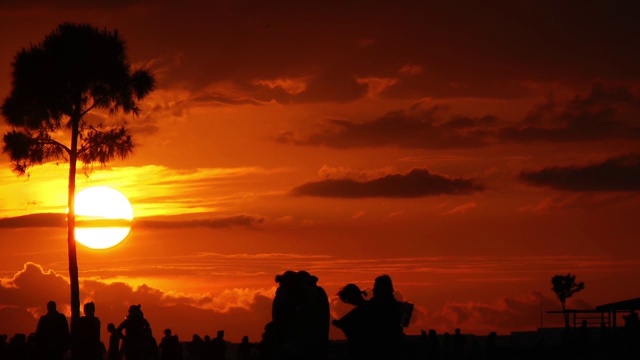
103 217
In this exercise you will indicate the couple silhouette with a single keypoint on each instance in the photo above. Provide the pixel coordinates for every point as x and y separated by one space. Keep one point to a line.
299 326
373 328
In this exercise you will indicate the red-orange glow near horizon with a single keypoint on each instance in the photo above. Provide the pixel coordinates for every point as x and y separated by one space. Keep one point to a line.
103 217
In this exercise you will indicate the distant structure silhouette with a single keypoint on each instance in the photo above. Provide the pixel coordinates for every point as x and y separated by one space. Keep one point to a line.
52 334
299 328
356 324
584 339
87 338
491 347
136 329
632 334
387 334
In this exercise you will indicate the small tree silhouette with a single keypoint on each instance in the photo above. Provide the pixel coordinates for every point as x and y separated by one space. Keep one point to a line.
564 286
76 69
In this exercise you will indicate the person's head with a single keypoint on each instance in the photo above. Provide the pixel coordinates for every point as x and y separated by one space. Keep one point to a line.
89 308
383 286
167 332
220 334
288 279
135 310
111 327
245 339
351 294
306 278
51 306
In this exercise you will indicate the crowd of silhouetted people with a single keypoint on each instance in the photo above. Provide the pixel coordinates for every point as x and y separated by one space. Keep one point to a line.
131 340
299 329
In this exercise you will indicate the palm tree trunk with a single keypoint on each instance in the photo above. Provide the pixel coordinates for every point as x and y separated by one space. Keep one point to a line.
71 226
565 314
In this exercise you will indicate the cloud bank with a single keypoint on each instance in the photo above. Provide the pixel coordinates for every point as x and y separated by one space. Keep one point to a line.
616 174
415 183
166 222
605 112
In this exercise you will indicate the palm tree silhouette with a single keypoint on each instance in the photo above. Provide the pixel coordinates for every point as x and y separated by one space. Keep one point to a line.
564 286
76 69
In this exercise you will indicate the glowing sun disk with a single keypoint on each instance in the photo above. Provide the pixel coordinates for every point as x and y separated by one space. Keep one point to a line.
103 217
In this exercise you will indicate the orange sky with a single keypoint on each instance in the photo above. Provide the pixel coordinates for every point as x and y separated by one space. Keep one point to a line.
470 151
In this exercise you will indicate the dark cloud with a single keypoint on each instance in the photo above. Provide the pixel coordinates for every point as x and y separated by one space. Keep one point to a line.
59 220
72 4
407 129
615 174
225 100
466 49
604 113
241 220
416 183
35 220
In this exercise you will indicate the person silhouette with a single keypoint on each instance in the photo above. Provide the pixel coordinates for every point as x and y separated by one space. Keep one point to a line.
356 323
136 329
170 348
52 334
218 346
151 350
113 353
87 336
447 346
244 349
195 347
386 317
458 345
316 311
434 351
17 348
299 328
3 346
270 345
